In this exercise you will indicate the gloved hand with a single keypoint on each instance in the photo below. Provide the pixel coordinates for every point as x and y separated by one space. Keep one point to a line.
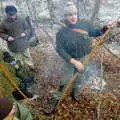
107 25
105 28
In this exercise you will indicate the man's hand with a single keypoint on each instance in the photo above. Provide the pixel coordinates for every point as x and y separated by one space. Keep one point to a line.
10 38
23 34
107 25
78 65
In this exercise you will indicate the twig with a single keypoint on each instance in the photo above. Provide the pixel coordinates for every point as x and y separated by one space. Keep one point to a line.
99 100
10 79
111 37
110 52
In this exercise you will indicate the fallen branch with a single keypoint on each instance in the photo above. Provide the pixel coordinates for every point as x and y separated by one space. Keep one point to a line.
110 51
10 79
99 101
111 37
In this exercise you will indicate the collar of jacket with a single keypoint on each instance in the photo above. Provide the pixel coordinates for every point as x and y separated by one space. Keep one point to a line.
71 26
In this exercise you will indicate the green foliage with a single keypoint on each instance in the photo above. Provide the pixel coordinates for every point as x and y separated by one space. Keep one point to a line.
5 85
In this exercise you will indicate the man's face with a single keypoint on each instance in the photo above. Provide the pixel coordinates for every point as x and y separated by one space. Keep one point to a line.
72 18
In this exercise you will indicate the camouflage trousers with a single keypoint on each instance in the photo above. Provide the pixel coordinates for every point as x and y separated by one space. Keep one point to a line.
24 69
24 58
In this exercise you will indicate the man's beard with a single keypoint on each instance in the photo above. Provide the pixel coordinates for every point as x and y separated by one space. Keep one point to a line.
12 19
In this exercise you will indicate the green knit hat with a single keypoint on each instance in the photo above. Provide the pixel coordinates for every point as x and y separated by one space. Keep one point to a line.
5 107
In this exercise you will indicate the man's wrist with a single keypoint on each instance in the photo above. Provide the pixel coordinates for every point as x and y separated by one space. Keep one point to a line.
72 60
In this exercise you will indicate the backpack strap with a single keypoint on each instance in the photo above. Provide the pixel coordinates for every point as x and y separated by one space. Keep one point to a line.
75 29
80 31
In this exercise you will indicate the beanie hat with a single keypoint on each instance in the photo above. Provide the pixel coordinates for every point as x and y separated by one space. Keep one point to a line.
5 107
70 8
10 10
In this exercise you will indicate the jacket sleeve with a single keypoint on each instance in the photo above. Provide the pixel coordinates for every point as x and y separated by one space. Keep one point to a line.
3 32
26 26
22 112
95 32
60 49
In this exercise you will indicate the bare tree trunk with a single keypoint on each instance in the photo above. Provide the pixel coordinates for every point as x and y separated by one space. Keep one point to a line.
35 15
95 11
81 7
51 8
1 12
78 9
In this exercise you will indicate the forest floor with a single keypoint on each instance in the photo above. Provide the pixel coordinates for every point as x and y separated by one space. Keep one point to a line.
92 105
